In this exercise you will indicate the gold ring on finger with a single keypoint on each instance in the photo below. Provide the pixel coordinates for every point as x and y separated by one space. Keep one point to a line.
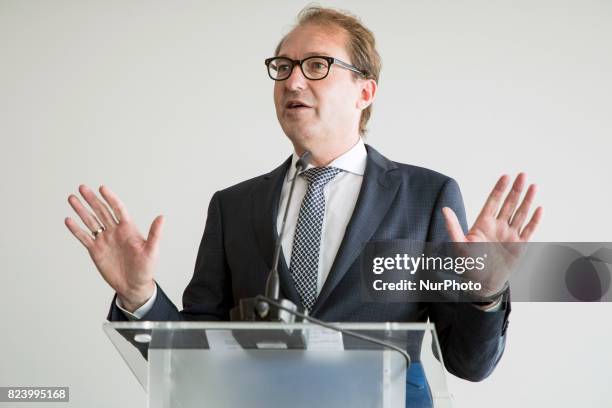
98 231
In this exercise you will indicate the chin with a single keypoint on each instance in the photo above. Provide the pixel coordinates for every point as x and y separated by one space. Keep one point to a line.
302 138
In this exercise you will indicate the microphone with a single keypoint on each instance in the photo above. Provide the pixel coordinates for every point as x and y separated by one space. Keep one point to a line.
252 309
273 285
273 282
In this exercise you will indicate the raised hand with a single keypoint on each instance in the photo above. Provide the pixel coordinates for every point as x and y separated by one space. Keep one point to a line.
504 226
124 258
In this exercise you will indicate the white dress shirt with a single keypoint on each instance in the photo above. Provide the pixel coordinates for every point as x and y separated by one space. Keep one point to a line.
340 198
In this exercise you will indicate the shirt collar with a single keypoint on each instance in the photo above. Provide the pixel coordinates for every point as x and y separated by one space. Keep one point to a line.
352 161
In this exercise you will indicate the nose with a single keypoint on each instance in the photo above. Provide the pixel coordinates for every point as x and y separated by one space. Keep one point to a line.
296 80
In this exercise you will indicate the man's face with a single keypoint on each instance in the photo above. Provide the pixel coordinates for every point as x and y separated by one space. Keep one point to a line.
334 103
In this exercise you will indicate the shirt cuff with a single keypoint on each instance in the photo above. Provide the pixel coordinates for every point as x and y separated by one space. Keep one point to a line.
141 311
494 307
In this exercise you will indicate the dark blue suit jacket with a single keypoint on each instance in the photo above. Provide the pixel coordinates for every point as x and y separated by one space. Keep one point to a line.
396 201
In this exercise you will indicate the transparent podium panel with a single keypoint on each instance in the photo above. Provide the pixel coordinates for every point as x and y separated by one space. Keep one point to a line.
259 364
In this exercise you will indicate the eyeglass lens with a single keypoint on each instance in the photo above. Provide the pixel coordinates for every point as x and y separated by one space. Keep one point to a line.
313 68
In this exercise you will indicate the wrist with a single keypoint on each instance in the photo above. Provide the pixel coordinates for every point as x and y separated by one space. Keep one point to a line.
486 299
134 299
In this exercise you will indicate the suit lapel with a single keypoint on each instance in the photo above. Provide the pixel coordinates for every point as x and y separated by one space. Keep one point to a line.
378 190
265 197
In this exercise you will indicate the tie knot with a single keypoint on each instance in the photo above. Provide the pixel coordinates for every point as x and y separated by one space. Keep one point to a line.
320 176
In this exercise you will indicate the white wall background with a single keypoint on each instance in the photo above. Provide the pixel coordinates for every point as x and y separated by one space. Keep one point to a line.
168 101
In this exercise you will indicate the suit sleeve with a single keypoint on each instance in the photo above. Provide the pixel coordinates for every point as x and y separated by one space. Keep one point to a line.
208 295
472 341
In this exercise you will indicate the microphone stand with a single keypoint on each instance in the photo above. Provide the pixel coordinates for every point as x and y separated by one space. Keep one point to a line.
253 309
349 333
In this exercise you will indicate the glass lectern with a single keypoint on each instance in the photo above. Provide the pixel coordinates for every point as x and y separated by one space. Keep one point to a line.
260 364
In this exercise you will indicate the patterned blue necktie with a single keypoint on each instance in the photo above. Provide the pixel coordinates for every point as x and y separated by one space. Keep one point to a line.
304 266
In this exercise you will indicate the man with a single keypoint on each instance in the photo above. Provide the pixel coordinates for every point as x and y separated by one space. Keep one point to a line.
325 71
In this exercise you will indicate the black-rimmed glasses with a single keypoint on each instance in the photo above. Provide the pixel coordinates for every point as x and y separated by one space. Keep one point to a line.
314 68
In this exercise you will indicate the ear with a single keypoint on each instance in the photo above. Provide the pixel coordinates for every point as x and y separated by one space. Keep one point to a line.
367 94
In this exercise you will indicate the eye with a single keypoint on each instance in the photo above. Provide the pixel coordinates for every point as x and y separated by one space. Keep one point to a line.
317 66
281 67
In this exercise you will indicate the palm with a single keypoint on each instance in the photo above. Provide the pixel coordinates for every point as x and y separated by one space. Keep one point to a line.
500 229
124 258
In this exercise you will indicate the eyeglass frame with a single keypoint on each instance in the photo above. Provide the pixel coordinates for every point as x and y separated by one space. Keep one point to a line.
331 61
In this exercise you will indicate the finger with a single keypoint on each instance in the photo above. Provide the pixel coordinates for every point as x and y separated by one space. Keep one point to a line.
455 232
512 199
521 214
119 210
531 227
84 214
83 237
155 233
493 201
98 207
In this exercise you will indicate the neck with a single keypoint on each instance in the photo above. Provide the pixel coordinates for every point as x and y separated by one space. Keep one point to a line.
325 154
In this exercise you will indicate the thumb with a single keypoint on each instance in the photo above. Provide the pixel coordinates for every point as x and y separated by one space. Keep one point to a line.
455 232
155 233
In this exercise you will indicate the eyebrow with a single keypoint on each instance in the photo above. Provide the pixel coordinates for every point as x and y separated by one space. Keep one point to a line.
308 54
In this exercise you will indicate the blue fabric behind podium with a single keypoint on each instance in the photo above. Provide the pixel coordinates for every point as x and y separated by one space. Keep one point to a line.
418 393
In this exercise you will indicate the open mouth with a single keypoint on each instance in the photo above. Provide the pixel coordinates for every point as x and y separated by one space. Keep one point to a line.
296 106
